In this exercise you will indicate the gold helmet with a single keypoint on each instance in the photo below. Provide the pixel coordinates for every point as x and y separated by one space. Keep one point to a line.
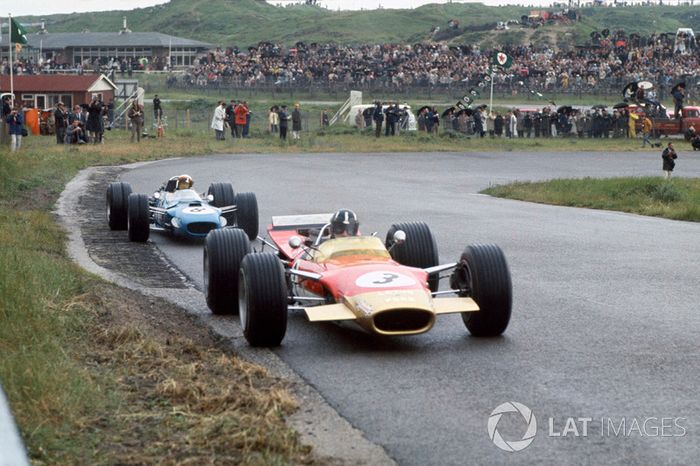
184 182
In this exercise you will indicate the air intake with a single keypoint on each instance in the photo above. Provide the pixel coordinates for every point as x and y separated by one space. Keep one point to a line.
405 320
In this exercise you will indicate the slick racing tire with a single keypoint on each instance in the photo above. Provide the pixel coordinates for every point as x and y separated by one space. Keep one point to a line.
224 196
262 298
482 273
139 224
224 249
419 250
247 214
118 205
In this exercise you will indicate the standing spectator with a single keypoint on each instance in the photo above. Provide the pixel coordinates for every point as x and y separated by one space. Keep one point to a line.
135 115
274 120
378 118
248 116
325 122
94 121
217 121
498 125
240 118
296 121
284 122
678 96
520 124
367 115
360 119
491 124
60 117
632 124
390 116
15 121
669 157
647 127
110 112
435 120
513 125
527 124
230 118
157 109
4 113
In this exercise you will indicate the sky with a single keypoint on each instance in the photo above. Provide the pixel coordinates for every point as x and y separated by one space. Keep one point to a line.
44 7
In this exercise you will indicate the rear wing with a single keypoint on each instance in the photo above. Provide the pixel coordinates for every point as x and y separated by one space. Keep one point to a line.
298 222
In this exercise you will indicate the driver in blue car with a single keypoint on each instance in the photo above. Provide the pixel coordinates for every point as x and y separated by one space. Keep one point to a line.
178 182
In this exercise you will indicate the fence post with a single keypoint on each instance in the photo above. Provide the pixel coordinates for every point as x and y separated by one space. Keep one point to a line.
188 121
177 115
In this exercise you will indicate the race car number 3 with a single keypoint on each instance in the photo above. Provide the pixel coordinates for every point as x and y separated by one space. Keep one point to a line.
384 280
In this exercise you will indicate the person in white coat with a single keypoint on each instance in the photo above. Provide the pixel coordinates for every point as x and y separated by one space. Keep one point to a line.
513 122
217 122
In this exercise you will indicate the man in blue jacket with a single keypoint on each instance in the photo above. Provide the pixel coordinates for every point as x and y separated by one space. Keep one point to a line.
15 122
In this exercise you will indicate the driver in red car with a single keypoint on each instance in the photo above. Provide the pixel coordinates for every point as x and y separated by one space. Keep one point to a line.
344 223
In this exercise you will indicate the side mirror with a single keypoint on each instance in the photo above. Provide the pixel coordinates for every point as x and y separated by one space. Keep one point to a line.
156 195
210 197
399 236
294 242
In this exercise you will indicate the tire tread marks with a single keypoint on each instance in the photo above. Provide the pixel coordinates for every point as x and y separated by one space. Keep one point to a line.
118 200
246 214
139 218
491 288
224 250
266 299
419 250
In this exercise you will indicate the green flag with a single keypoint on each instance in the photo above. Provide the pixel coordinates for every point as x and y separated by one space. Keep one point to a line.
18 35
502 59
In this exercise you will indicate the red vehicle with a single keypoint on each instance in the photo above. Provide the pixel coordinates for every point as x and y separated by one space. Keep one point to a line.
665 124
383 287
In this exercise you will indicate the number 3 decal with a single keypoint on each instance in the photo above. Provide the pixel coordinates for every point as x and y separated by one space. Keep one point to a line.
384 280
388 278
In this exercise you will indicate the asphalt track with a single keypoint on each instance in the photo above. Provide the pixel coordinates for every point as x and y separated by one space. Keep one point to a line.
605 318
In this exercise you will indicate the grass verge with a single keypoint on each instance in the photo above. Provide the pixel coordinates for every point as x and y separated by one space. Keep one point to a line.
99 375
677 199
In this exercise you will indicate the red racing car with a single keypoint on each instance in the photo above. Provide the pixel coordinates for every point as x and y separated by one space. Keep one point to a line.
384 287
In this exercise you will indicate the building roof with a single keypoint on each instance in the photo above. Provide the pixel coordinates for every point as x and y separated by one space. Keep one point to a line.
63 40
53 82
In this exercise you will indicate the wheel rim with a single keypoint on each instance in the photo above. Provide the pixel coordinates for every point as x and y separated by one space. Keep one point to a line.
242 301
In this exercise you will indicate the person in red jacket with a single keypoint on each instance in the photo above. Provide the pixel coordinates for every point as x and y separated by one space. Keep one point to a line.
240 115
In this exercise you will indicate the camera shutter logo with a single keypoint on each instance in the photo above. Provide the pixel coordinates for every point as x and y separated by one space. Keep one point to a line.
527 415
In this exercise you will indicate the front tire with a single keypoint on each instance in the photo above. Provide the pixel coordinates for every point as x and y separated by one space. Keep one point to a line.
419 250
262 297
224 196
224 251
117 205
139 218
247 214
483 274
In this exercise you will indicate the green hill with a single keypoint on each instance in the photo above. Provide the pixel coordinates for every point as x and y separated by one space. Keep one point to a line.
247 22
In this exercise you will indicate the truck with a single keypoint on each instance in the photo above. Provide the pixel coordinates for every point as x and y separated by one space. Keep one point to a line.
665 126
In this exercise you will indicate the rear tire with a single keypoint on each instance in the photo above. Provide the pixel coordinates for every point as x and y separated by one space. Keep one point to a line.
482 274
262 296
419 250
224 196
247 214
223 252
139 218
118 205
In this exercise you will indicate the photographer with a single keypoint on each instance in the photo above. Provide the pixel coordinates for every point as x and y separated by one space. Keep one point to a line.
136 118
669 157
75 133
15 121
94 120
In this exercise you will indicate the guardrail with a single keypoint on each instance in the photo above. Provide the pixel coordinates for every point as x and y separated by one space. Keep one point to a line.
12 451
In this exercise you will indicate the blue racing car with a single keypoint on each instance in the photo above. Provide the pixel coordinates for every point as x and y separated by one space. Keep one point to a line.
180 210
